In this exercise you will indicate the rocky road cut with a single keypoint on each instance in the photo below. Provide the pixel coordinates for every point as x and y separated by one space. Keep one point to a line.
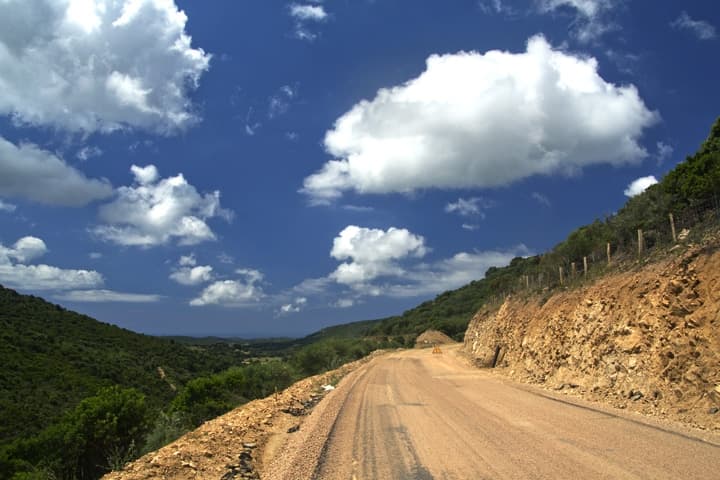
419 415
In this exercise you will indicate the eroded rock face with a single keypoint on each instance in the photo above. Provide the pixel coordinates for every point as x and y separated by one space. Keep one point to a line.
646 340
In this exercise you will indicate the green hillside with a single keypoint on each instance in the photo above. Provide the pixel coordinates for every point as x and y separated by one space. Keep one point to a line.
53 358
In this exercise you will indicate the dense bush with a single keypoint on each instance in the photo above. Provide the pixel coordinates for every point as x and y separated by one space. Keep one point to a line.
207 397
101 432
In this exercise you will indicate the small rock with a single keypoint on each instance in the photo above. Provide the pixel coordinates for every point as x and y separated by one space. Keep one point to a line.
249 445
635 395
293 429
713 410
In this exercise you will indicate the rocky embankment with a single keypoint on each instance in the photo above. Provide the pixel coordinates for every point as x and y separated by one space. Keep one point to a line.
646 339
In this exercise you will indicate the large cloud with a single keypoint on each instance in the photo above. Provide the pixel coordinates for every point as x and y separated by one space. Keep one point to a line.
30 173
373 253
15 273
483 120
155 211
89 65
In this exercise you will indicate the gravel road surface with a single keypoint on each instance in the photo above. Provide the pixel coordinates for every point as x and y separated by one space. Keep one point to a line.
418 415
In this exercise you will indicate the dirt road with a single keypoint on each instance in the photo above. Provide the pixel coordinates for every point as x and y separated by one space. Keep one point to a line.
415 415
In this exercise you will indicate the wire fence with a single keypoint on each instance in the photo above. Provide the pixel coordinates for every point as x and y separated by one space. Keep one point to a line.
682 227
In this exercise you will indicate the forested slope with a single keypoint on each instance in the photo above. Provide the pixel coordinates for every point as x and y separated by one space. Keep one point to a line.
53 358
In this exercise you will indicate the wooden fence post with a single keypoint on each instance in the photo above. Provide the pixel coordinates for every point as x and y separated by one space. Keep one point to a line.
672 227
560 269
608 252
585 266
572 269
641 242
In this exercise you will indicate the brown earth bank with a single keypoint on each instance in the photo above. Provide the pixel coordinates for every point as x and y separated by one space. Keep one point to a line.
233 445
430 338
645 339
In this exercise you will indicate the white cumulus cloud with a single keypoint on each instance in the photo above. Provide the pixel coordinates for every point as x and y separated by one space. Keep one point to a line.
154 211
373 253
483 120
639 185
30 173
98 65
308 12
241 292
16 273
192 275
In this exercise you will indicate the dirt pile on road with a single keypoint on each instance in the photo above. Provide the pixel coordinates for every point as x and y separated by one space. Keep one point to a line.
645 339
432 337
231 446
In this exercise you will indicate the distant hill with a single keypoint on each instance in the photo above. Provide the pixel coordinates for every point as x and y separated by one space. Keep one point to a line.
52 358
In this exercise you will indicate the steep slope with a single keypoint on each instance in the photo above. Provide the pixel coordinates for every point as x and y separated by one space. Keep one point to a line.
645 339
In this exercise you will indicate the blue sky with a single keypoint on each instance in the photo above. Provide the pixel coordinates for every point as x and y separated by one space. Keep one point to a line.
259 168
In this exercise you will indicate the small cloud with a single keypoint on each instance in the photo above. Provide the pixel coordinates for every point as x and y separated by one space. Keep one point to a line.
639 185
591 16
242 292
95 255
279 103
469 207
7 207
251 127
700 28
357 208
314 13
107 296
293 307
664 151
304 15
471 227
541 199
86 153
344 303
495 6
187 260
225 258
189 273
292 136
